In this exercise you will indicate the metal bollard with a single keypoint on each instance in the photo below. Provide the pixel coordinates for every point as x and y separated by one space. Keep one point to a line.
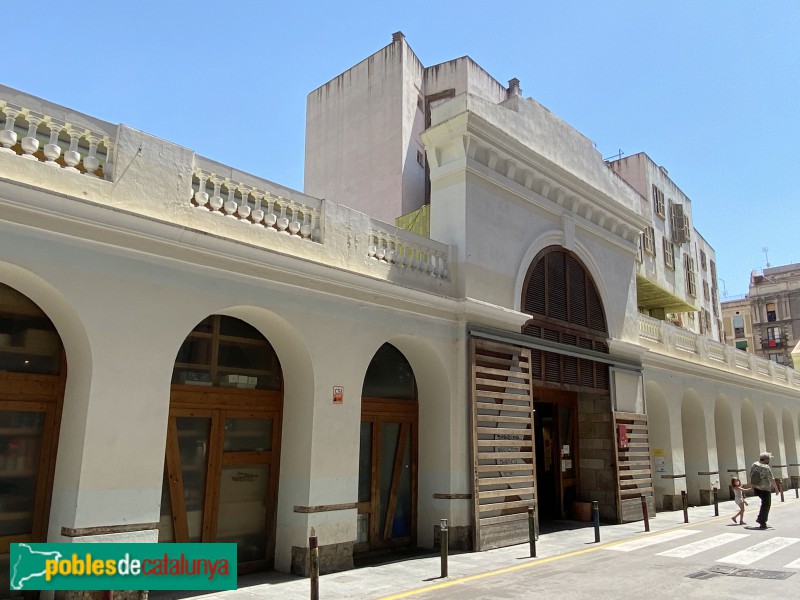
644 514
780 488
532 531
795 479
314 567
685 502
716 501
444 542
596 519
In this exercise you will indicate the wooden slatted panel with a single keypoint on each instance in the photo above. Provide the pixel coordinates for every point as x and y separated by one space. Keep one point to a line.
502 444
634 469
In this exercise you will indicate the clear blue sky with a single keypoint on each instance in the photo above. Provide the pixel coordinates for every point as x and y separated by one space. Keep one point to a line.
709 89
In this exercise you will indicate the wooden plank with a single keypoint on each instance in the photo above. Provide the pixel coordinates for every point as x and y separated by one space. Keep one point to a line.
504 505
501 455
495 383
502 395
501 407
503 419
627 473
484 370
180 527
512 518
505 493
625 416
504 443
513 467
504 431
507 480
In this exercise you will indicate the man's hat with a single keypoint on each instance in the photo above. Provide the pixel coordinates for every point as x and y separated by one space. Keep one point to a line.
764 455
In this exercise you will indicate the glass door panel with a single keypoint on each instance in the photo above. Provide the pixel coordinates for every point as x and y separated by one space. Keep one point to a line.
20 446
242 517
401 523
247 435
389 438
193 441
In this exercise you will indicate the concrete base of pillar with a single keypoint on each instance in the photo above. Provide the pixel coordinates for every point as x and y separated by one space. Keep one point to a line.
459 537
332 558
673 502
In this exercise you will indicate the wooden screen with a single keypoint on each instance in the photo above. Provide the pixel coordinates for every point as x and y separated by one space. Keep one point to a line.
634 470
504 464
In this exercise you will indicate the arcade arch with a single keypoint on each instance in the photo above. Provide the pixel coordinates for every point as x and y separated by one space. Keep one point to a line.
224 441
388 454
695 446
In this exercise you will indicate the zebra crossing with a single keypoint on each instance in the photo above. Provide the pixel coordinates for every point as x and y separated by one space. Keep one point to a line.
747 556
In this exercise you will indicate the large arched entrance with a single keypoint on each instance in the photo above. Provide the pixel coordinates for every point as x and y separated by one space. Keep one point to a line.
566 310
32 377
223 441
387 476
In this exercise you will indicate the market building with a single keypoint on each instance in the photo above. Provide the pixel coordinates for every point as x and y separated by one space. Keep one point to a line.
193 353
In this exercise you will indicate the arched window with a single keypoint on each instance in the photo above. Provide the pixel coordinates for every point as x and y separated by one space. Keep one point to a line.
226 352
562 298
389 376
32 379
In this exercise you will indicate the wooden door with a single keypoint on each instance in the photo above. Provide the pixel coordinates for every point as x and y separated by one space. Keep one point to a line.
221 474
387 507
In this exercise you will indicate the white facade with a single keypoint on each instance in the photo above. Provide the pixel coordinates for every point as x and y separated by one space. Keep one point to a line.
127 264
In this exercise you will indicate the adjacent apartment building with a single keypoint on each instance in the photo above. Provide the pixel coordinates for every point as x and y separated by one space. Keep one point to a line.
768 318
189 352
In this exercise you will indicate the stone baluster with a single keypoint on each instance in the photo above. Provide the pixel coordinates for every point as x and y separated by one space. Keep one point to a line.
244 208
381 253
215 202
72 157
30 143
8 137
258 214
52 150
438 267
305 228
402 259
229 206
270 218
294 224
90 161
316 231
283 221
108 166
201 196
372 245
389 256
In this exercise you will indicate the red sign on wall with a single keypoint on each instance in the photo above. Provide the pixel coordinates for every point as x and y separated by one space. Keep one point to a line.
622 436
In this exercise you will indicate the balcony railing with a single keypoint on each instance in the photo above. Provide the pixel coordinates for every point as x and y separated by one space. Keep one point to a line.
39 131
664 338
60 151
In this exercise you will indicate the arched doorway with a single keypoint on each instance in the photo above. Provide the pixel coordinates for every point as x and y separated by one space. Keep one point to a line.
387 476
566 310
223 441
32 377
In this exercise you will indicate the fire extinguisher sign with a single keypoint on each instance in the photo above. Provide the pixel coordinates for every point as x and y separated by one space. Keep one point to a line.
338 394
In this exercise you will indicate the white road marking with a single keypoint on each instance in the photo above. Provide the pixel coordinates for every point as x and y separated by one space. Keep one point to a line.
652 540
703 545
793 565
759 551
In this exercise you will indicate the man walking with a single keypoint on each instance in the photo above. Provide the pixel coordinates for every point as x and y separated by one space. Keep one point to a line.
763 483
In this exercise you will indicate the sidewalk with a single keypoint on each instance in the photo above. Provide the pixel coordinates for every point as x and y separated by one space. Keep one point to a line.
395 578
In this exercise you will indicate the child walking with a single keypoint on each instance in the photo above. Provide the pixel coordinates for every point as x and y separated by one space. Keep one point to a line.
738 498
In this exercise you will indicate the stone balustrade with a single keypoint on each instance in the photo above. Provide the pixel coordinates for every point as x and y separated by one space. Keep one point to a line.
407 250
665 338
36 130
253 202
